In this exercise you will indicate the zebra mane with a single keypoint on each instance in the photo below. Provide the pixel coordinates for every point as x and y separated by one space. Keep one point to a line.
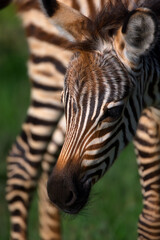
110 18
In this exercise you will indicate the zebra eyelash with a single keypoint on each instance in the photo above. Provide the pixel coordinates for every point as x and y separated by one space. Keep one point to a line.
112 113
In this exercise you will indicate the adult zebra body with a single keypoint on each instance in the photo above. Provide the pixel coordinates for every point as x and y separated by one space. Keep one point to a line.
42 134
37 146
111 93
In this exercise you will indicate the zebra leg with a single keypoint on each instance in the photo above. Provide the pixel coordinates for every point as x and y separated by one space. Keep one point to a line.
22 176
147 146
50 228
24 163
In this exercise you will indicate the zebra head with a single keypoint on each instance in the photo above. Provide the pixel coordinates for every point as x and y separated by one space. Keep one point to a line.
100 93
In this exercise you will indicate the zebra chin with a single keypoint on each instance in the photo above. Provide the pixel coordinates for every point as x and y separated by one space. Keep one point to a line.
70 196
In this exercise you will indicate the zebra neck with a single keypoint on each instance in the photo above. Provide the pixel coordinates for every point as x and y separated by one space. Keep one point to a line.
151 82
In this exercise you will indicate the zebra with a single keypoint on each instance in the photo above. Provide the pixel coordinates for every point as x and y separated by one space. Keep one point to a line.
42 135
36 148
111 94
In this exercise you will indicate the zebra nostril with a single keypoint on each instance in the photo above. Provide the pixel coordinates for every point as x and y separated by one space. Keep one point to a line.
71 199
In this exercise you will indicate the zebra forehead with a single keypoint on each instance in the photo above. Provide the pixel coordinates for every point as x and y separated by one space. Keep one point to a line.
81 67
96 75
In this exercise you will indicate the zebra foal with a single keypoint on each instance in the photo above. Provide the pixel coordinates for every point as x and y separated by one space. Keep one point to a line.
37 146
111 94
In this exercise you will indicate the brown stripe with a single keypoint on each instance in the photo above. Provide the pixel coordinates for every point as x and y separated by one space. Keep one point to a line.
28 5
75 5
102 3
34 31
48 59
92 12
44 73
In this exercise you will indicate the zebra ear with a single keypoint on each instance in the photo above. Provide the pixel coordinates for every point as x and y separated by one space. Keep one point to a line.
69 21
138 33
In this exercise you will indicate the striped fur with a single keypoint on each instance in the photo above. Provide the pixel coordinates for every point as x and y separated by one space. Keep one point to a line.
41 138
111 94
42 134
37 147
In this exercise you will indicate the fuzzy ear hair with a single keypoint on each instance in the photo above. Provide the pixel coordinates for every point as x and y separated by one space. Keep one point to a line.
71 23
139 32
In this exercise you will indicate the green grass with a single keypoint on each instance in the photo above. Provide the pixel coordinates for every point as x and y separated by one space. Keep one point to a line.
116 199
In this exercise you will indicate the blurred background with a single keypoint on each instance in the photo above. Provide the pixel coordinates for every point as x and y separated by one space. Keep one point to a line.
113 211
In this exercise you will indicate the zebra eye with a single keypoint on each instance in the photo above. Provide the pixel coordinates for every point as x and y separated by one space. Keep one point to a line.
112 113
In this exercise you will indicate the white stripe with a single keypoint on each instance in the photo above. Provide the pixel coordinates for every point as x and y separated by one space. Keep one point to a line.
109 154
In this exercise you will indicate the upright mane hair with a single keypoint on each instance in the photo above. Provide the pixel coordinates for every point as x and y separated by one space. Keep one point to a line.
110 18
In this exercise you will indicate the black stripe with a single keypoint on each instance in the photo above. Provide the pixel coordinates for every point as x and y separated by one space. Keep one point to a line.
16 212
152 175
125 139
152 83
126 114
148 232
24 136
45 87
139 101
98 172
143 142
40 34
48 59
101 94
97 165
66 104
37 138
101 154
17 198
105 143
51 6
18 176
35 165
37 121
34 151
149 165
148 226
20 148
46 105
142 127
116 146
142 235
133 109
16 228
147 154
